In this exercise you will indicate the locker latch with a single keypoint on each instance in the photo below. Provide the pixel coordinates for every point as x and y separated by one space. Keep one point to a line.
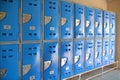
32 77
96 24
111 25
7 27
63 61
2 72
26 18
87 23
63 21
76 59
47 19
77 22
46 64
26 68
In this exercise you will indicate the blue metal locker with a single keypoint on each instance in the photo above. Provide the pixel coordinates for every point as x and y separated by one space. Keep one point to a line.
98 53
112 24
106 24
9 62
66 59
79 21
89 55
112 50
89 22
9 20
67 22
32 24
31 55
105 55
98 23
51 25
51 60
78 56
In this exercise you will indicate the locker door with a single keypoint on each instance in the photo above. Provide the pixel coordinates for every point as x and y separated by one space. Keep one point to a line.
78 56
98 53
51 25
112 24
89 54
79 21
31 55
67 20
9 20
66 59
32 24
9 58
112 50
106 24
105 51
89 22
51 61
98 23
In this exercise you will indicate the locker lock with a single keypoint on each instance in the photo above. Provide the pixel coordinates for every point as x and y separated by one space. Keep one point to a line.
47 19
26 68
63 21
26 18
77 22
87 23
2 15
2 72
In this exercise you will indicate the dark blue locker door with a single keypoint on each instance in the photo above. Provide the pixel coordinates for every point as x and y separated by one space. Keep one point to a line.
9 62
31 55
98 53
98 23
105 54
78 56
112 24
89 22
9 20
51 25
32 24
66 59
89 54
79 21
112 50
106 24
51 61
67 13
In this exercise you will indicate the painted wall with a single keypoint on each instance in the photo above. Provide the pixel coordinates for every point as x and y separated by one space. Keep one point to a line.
102 4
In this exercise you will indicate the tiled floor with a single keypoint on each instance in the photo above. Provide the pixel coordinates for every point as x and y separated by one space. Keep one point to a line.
113 75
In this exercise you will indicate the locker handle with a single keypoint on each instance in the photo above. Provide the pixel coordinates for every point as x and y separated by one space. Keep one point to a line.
111 51
76 59
26 68
47 64
105 25
88 56
87 23
111 25
47 19
96 24
104 53
96 54
26 18
77 22
3 72
63 61
2 15
63 21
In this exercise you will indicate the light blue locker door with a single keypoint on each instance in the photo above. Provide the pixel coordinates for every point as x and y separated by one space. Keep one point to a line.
9 20
112 50
89 23
67 13
112 24
78 57
106 24
79 31
98 23
32 21
9 62
51 60
105 55
31 55
89 55
66 59
98 53
51 25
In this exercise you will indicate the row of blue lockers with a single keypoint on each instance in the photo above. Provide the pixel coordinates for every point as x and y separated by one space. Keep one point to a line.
68 21
65 59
